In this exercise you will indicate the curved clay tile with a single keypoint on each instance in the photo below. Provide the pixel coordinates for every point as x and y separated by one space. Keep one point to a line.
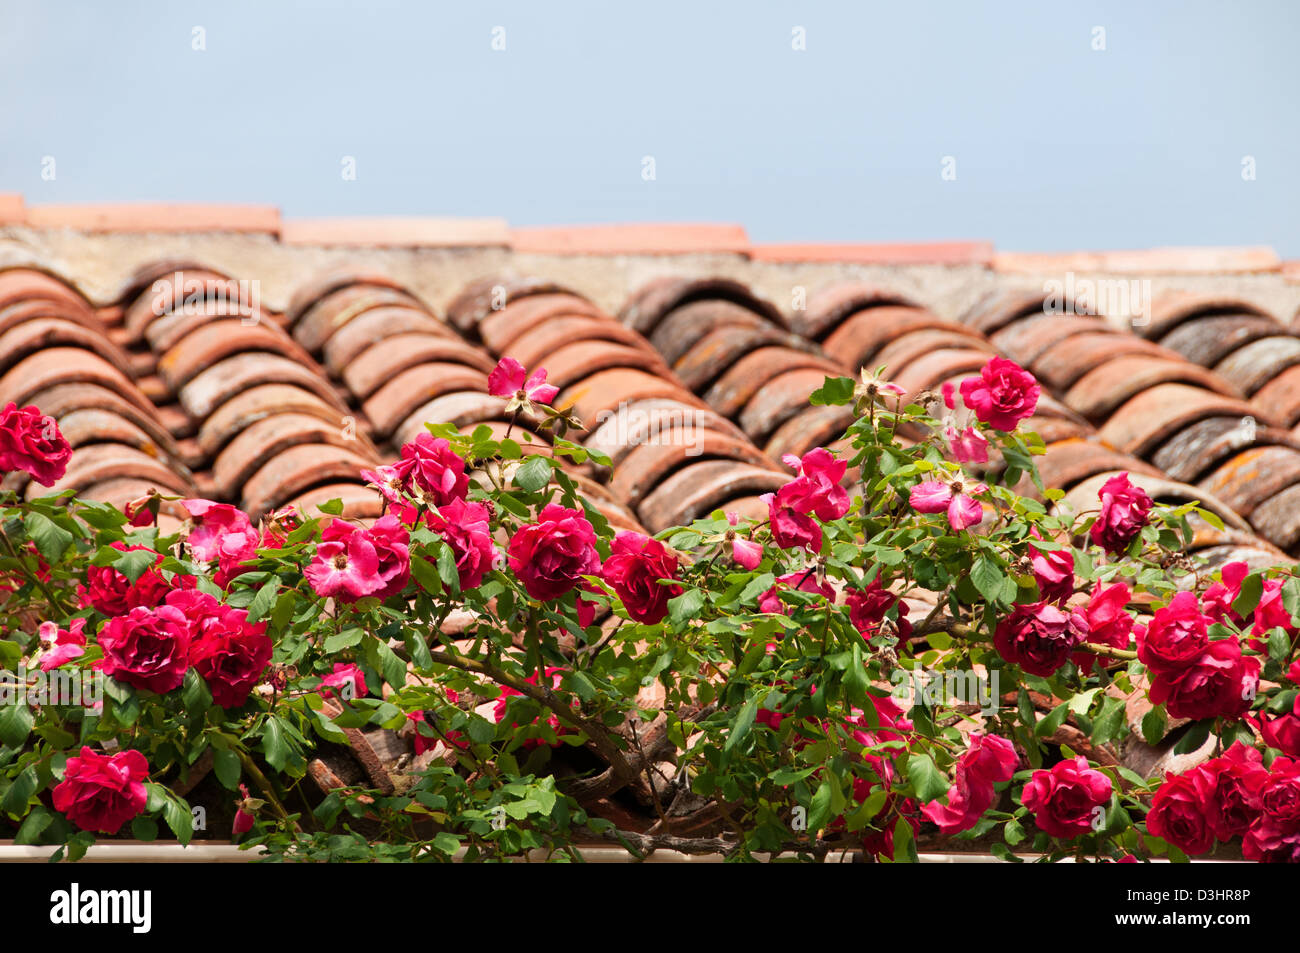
326 317
1205 444
677 333
405 392
462 408
859 339
499 328
747 376
655 420
1171 309
292 472
1000 307
646 466
63 400
1098 393
213 343
715 353
66 365
1250 478
581 359
100 462
781 398
38 334
375 366
650 303
1025 339
533 347
261 401
699 488
360 502
378 324
264 439
1278 518
604 391
1061 365
322 286
901 352
1157 414
219 383
829 306
810 428
1068 462
177 305
1208 340
480 298
1282 396
19 285
1254 365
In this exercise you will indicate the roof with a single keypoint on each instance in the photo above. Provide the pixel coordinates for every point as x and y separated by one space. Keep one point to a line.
227 352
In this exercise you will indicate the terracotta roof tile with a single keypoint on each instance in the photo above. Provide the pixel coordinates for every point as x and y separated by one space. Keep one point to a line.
921 253
649 239
405 232
1147 261
156 217
12 209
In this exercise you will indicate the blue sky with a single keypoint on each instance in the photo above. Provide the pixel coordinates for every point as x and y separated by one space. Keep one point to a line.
1057 145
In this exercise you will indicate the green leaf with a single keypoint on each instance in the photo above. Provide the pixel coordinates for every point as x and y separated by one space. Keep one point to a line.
343 640
333 507
683 608
836 390
51 540
21 791
533 474
1153 725
905 843
447 570
178 817
855 678
264 599
227 767
927 780
33 826
391 666
1252 587
195 694
741 726
418 648
426 576
275 745
133 564
987 578
1053 721
15 724
1196 736
820 809
144 828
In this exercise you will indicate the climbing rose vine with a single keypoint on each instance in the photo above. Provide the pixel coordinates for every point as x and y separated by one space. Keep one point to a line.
910 644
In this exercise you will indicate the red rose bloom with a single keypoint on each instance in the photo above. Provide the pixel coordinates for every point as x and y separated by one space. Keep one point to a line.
31 441
1274 837
790 528
351 563
101 792
1178 816
551 555
1065 799
804 580
988 760
1228 788
1054 572
1221 683
147 648
231 654
817 489
464 527
113 594
1283 731
430 468
1124 511
1218 598
1108 622
635 565
1003 395
867 608
1040 637
1175 637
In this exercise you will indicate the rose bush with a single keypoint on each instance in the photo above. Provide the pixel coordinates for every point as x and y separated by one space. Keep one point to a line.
729 686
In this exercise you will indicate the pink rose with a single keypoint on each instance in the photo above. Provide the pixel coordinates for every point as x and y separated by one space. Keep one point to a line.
551 555
32 442
1108 621
1067 800
804 580
1175 637
1228 788
147 648
1220 683
868 606
817 490
967 446
635 566
429 467
1124 511
1283 731
101 792
60 646
465 528
507 380
1054 572
230 653
1040 637
790 528
936 496
348 679
1219 597
1003 394
988 760
352 563
1177 815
